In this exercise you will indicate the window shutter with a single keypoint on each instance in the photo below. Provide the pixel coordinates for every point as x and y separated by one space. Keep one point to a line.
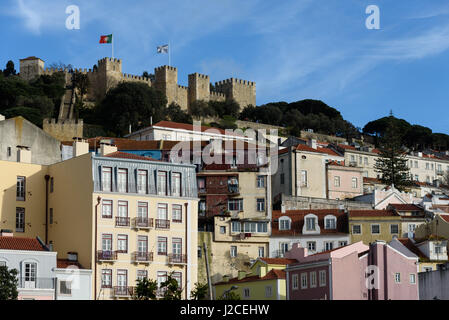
100 178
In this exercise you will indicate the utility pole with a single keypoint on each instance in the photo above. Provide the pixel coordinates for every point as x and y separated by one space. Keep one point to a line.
207 271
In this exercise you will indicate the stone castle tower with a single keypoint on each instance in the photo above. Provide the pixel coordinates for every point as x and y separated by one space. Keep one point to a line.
108 74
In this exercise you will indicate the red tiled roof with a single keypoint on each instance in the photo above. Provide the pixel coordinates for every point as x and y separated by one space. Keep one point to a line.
278 260
124 155
273 274
297 223
372 213
64 263
445 217
328 151
304 147
405 207
411 246
17 243
345 146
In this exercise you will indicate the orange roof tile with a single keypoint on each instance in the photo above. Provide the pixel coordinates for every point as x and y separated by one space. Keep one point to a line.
405 207
278 260
372 213
17 243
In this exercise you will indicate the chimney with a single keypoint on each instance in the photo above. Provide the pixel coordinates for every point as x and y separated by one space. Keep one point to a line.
6 233
23 154
241 275
72 256
283 208
2 117
312 143
420 154
80 147
106 149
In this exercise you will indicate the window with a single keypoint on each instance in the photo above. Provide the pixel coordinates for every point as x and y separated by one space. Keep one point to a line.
199 252
328 245
284 248
261 252
122 243
8 152
162 211
178 277
162 246
330 223
235 205
21 188
416 164
310 224
260 205
260 181
142 181
284 224
366 160
295 281
246 293
394 229
354 183
236 226
161 277
233 251
162 183
123 209
360 159
142 274
201 182
356 229
222 230
397 277
427 269
282 178
106 209
20 219
177 213
438 249
375 229
412 278
177 247
352 158
106 177
336 181
142 212
268 291
142 244
202 208
303 178
322 278
65 287
122 180
176 181
416 177
303 280
52 184
106 278
30 274
427 166
122 278
342 243
262 227
249 226
311 246
106 242
313 279
51 216
411 227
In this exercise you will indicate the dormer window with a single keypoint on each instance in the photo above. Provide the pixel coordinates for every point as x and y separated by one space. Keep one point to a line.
330 222
284 223
311 224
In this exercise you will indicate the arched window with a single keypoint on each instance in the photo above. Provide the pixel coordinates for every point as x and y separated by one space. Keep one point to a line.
285 223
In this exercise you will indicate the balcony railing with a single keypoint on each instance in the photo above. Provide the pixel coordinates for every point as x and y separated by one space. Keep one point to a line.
440 172
162 224
36 283
144 257
174 258
122 291
122 221
143 223
107 255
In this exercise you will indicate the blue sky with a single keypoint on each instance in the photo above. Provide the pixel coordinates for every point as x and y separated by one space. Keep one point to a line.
293 50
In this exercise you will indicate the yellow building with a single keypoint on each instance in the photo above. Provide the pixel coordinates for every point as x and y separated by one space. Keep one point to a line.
371 225
266 281
126 216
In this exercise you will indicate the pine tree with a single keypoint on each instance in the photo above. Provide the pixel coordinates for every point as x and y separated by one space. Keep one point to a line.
8 283
392 162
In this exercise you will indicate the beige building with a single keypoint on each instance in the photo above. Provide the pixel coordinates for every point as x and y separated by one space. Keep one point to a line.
124 215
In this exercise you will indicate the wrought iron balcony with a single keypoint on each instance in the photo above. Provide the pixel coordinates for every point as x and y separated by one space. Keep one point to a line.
106 255
36 283
122 291
162 224
122 221
142 257
143 223
174 258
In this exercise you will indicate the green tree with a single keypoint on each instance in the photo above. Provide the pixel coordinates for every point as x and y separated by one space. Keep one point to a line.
8 283
145 289
200 291
229 296
171 288
176 114
9 71
392 161
130 103
200 109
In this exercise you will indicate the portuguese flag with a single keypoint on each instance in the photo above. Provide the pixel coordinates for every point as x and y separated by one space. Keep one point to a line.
106 39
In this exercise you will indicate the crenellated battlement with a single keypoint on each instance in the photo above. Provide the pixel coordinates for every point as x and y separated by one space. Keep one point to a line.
127 76
199 75
235 81
165 67
115 60
63 130
183 87
217 94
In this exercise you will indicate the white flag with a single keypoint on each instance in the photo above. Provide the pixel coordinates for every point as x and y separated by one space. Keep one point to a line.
162 49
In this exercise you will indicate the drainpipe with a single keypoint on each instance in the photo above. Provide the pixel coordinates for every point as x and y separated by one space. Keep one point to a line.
47 178
186 250
95 253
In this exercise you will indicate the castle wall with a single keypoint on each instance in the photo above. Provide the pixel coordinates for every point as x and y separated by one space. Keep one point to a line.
199 87
31 68
217 96
242 91
182 99
63 130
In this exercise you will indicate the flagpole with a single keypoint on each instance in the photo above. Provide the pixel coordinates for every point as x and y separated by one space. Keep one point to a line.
169 52
112 42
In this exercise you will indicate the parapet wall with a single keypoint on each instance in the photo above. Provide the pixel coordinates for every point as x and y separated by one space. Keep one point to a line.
64 130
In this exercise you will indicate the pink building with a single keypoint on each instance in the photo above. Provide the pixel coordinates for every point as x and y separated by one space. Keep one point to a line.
380 271
343 182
